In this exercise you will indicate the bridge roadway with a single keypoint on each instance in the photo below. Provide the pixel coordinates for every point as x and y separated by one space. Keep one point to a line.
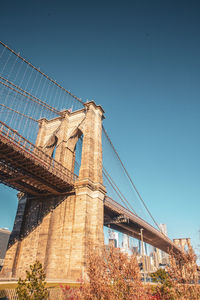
121 219
27 168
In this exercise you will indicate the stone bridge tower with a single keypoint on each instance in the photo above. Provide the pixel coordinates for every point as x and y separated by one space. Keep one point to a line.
58 230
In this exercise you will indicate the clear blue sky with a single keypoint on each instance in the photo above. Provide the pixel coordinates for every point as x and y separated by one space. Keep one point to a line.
141 61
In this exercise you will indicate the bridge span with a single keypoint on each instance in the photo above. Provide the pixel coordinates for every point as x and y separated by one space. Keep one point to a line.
121 219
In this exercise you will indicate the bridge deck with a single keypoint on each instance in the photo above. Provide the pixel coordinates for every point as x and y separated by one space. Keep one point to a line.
27 168
132 228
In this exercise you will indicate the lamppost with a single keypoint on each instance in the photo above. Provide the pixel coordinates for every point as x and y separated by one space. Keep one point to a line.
143 258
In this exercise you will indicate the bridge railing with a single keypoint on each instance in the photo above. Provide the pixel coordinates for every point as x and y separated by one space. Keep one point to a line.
37 154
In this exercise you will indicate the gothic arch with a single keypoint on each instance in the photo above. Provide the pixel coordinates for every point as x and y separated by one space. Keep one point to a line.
71 148
72 141
50 145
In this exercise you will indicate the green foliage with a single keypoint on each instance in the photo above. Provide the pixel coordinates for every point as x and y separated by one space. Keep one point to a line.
163 289
34 286
160 276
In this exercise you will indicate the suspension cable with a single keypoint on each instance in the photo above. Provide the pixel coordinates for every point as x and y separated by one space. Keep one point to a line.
105 172
131 181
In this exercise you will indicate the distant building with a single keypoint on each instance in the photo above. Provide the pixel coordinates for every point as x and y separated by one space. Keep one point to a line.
126 248
158 257
163 228
4 237
113 238
164 256
125 241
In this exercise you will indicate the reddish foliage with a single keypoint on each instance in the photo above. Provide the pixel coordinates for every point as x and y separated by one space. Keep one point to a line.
112 275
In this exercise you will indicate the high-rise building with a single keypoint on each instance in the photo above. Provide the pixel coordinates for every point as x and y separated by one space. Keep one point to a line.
113 238
164 255
4 237
125 241
160 258
163 228
126 245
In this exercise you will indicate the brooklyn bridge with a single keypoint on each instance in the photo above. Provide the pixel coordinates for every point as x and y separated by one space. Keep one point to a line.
56 152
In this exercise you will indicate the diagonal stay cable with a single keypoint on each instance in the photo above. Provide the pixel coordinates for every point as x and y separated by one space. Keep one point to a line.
116 191
37 100
19 113
24 95
105 172
131 181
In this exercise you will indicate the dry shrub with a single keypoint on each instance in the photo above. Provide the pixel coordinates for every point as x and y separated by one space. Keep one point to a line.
112 275
184 276
182 280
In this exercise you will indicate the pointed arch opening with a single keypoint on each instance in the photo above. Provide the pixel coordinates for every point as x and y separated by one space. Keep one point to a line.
74 145
50 146
78 155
